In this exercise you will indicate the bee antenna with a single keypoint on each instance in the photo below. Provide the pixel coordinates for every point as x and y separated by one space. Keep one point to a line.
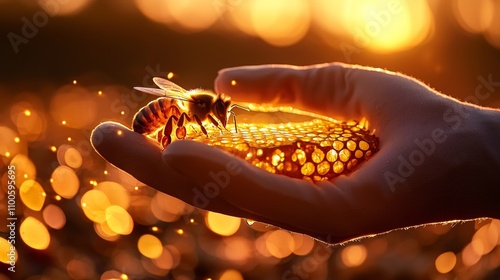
237 106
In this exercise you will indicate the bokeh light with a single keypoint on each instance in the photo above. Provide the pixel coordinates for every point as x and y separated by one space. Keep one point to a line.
6 254
34 233
54 216
94 204
150 246
119 220
65 182
445 262
222 224
354 255
280 243
32 194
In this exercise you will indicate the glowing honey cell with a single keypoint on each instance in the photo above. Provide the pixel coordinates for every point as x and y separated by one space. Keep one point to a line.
119 220
65 182
323 168
363 145
94 204
150 246
34 234
32 194
318 155
307 169
344 155
222 224
7 255
338 167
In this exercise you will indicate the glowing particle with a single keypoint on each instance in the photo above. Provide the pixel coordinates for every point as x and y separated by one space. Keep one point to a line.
7 154
155 228
69 139
17 140
191 220
74 82
170 75
63 122
122 113
124 276
119 132
150 246
136 188
180 231
25 175
53 149
58 197
105 172
27 112
233 82
99 92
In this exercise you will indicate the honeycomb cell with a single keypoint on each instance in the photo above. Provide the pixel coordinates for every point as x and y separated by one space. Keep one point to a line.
344 155
337 145
338 167
331 156
351 145
307 169
323 167
317 156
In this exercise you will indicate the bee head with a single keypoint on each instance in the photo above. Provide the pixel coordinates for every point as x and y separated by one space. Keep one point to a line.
220 108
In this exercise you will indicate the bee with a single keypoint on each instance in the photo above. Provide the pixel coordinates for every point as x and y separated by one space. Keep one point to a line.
177 107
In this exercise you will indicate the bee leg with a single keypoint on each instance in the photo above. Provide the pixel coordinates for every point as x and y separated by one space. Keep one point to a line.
198 121
167 130
234 120
214 121
180 132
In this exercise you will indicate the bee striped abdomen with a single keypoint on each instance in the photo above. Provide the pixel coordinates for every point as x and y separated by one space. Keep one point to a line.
154 115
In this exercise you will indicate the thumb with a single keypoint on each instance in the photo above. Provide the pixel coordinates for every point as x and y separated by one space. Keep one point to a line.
338 90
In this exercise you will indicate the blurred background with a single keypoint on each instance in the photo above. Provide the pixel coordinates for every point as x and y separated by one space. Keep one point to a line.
67 65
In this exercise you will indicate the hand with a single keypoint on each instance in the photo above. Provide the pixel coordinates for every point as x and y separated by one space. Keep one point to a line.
439 159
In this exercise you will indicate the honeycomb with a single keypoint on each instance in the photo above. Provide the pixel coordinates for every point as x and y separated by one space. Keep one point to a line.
316 149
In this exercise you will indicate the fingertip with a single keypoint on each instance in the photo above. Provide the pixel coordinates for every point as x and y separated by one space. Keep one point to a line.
107 133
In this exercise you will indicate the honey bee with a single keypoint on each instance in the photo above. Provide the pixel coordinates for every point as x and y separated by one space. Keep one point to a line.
178 107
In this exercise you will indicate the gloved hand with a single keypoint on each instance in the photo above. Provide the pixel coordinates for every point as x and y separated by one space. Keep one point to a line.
439 159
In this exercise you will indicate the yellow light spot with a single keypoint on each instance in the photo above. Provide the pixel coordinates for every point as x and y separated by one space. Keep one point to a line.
124 276
119 220
170 75
105 172
119 132
99 92
122 113
53 149
58 197
27 112
17 140
180 231
231 274
32 194
155 228
69 139
233 82
63 122
150 246
65 182
445 262
94 205
74 82
250 222
34 234
353 255
136 188
25 175
222 224
7 154
191 221
7 255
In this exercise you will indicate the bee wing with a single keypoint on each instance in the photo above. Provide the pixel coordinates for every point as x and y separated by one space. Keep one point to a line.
152 91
